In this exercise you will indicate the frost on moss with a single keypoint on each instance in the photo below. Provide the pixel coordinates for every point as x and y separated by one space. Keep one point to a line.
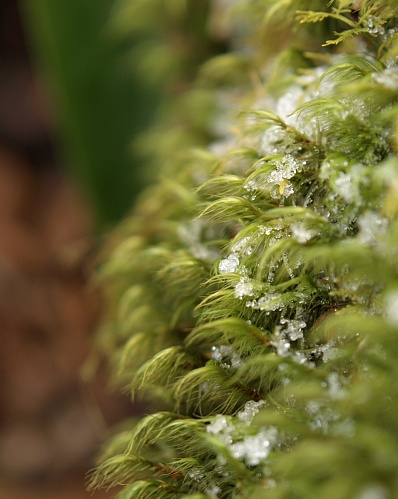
253 292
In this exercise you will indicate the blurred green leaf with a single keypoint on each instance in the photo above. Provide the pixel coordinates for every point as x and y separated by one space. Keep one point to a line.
100 102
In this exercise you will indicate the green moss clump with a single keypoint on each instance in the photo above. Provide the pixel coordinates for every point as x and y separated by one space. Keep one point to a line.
253 293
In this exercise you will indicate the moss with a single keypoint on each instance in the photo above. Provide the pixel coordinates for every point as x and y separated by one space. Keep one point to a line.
255 288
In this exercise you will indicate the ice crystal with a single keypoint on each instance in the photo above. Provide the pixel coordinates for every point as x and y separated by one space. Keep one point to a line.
300 358
345 428
226 355
287 167
288 331
191 235
301 234
218 425
268 302
243 246
270 229
346 188
244 287
281 344
287 104
321 417
373 26
287 266
276 182
388 78
286 189
254 449
372 226
282 347
229 265
250 410
292 329
308 86
270 139
196 475
329 353
213 491
335 391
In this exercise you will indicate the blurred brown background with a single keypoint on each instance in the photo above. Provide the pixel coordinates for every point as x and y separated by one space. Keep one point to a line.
51 422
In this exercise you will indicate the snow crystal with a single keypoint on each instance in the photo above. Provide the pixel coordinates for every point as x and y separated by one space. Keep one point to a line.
289 166
373 27
287 266
388 78
196 475
282 346
250 410
293 329
329 353
286 189
269 139
301 359
276 182
229 265
243 246
213 491
255 449
287 104
269 302
301 234
217 426
322 417
372 226
345 187
190 235
285 107
244 288
335 391
226 355
345 428
251 448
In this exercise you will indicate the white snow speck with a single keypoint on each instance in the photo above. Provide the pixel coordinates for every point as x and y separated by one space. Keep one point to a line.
229 265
